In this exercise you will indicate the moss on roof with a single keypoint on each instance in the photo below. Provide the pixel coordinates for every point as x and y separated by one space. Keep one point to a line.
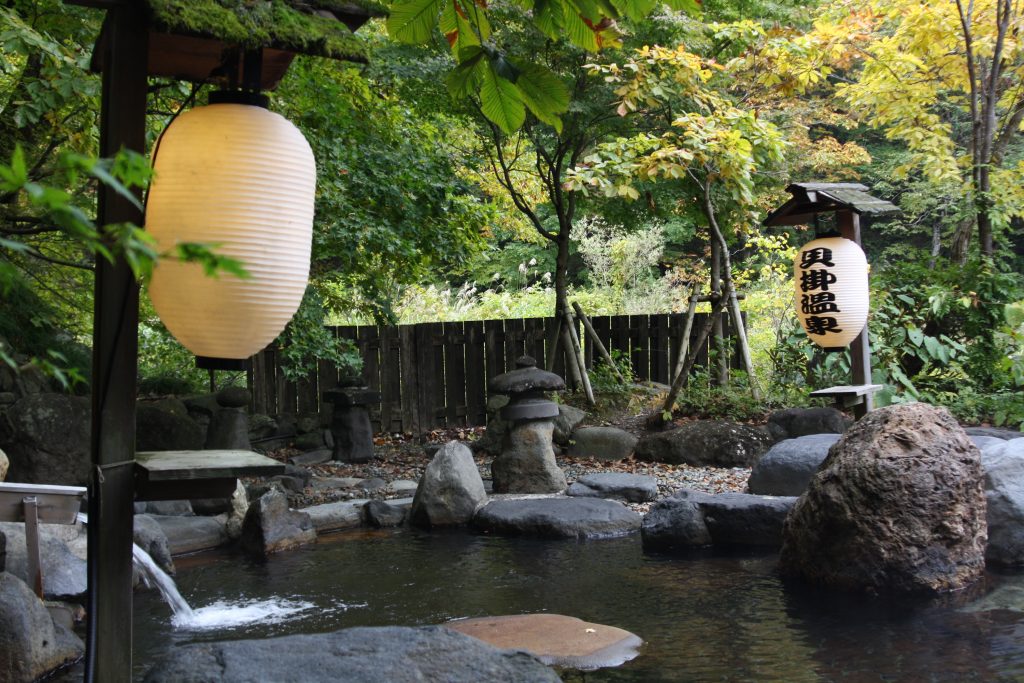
285 24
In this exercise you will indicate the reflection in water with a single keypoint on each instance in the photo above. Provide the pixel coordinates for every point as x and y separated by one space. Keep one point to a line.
710 618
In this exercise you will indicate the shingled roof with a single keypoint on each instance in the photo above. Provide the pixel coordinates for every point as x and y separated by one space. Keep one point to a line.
812 198
188 37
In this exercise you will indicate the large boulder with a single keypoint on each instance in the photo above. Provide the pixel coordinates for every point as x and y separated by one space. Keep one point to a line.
150 537
229 426
31 643
62 549
792 423
602 443
46 438
786 469
692 519
160 430
897 506
556 517
192 534
270 527
388 654
4 465
633 488
714 443
451 489
568 419
1004 496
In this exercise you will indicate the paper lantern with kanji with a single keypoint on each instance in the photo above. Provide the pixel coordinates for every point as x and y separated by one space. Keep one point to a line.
831 291
241 179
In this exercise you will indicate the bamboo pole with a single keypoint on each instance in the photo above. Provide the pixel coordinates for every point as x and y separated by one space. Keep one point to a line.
570 323
571 364
741 334
684 347
597 340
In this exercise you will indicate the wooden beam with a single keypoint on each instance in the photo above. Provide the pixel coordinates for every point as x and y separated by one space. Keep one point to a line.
860 349
115 363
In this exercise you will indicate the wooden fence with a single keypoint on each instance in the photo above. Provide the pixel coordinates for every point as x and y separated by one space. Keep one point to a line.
434 375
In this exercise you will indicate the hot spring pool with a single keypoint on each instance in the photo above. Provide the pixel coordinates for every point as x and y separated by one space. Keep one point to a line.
706 619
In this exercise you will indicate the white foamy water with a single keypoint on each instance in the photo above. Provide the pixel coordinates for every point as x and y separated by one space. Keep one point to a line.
231 614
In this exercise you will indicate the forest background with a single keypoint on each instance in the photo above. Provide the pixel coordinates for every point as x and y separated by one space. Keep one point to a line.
495 161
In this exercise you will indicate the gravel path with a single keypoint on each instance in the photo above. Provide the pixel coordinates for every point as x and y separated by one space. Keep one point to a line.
398 458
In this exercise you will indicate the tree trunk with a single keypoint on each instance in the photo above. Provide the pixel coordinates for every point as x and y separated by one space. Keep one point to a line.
721 376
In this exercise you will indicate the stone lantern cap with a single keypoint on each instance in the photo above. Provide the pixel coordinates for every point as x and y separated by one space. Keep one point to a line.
527 378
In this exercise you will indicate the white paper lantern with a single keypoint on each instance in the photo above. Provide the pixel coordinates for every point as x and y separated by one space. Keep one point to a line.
241 179
831 276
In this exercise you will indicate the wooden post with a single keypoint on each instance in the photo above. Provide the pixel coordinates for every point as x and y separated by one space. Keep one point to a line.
860 349
115 363
721 375
597 341
741 335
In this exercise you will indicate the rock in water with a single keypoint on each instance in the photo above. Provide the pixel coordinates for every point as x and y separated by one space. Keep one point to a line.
788 466
269 525
451 489
1004 494
389 654
31 644
898 505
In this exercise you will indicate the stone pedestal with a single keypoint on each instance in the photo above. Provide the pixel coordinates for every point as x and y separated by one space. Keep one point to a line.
350 424
527 460
229 426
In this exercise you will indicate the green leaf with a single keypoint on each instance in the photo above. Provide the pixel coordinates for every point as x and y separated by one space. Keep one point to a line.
462 80
577 30
916 336
543 92
100 173
634 9
19 172
689 6
906 299
413 21
500 101
547 15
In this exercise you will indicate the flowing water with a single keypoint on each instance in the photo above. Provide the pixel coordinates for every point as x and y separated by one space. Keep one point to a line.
703 619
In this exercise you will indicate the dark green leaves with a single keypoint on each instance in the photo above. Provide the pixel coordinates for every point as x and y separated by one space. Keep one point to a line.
413 21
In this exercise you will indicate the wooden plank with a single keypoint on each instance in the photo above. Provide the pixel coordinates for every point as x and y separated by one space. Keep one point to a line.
369 349
428 376
620 336
494 348
702 352
676 327
454 349
390 380
533 339
411 422
213 464
558 367
659 348
515 334
640 325
476 374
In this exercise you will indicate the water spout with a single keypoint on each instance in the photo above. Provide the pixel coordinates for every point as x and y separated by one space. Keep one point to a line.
155 576
219 615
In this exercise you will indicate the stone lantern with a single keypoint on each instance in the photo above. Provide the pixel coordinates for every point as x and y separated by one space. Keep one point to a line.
527 460
350 420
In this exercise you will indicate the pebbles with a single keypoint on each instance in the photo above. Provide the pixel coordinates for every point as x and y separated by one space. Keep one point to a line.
403 460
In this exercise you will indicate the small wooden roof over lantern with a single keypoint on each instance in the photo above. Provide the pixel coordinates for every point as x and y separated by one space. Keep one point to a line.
814 198
199 40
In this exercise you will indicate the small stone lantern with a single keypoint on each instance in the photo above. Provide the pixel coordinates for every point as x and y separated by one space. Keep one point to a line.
527 460
350 421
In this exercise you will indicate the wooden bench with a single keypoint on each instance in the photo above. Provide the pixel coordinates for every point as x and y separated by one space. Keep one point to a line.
857 396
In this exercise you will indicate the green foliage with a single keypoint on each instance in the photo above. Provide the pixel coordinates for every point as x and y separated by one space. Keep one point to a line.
507 79
390 204
305 341
701 399
603 378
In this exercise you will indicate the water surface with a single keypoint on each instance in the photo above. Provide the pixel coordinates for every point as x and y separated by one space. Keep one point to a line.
703 619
